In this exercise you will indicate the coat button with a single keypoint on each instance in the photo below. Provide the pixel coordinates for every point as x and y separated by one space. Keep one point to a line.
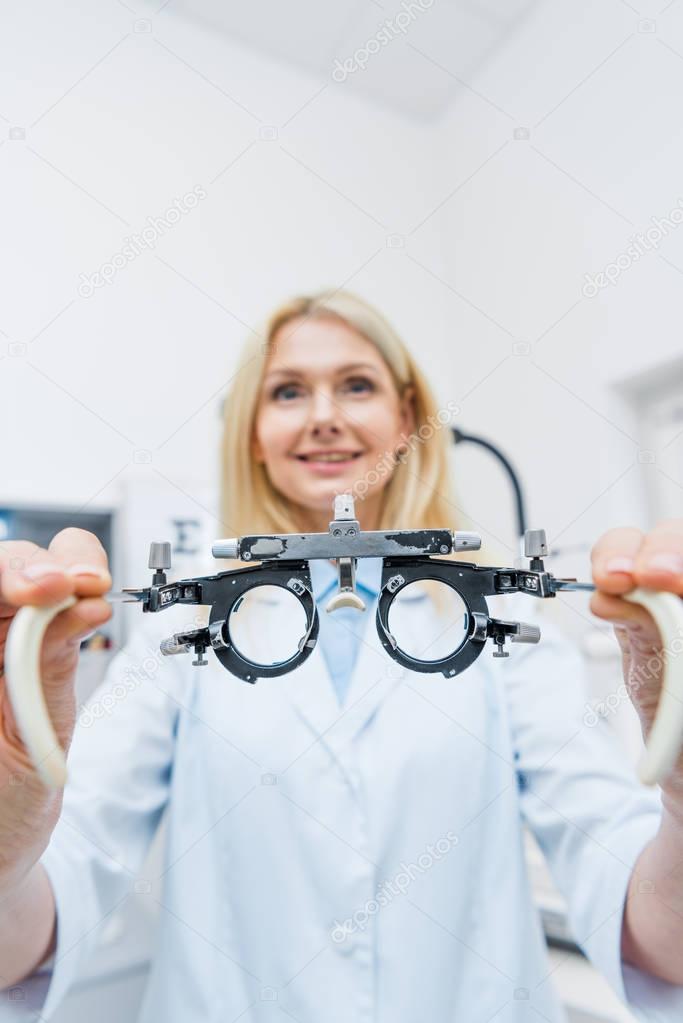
343 937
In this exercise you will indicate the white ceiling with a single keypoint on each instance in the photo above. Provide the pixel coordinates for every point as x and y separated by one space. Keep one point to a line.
417 73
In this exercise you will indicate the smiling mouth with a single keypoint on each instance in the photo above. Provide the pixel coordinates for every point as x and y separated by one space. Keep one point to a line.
329 459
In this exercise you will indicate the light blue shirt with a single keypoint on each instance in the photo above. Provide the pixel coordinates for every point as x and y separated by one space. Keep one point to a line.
361 863
341 631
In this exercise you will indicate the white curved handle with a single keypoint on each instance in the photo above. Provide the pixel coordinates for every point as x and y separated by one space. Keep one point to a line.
665 741
22 674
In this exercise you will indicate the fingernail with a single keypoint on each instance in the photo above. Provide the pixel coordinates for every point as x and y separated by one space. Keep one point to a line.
42 570
664 562
91 570
620 564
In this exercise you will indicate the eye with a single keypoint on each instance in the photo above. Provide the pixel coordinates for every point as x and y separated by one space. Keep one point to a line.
283 388
364 383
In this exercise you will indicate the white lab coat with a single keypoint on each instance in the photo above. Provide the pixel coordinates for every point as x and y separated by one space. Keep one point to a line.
299 882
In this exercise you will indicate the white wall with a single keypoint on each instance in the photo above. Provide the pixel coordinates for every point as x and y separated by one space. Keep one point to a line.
599 97
142 362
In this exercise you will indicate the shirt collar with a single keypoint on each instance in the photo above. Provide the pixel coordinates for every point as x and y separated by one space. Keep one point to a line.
324 576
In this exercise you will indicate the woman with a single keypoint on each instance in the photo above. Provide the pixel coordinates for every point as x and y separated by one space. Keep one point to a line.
344 842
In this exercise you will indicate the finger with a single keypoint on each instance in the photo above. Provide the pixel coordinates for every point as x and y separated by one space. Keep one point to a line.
613 559
624 613
72 625
659 562
84 558
30 575
63 636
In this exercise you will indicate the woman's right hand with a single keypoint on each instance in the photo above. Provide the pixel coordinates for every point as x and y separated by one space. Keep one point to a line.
74 563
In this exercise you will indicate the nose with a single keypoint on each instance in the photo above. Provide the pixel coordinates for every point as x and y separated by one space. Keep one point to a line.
324 414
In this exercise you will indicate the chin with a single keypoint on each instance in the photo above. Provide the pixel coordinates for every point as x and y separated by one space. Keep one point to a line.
322 498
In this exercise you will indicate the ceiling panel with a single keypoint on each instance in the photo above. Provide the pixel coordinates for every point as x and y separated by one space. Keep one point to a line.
414 60
302 32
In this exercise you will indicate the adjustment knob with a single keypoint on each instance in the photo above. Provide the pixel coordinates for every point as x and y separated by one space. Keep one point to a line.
535 543
173 645
160 556
464 541
226 549
526 633
343 506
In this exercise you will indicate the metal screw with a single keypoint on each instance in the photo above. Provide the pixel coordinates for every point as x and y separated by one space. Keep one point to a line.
443 548
247 555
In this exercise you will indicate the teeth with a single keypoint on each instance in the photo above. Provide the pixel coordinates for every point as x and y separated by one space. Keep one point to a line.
328 458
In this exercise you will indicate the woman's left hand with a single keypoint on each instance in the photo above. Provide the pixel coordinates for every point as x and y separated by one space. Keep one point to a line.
622 559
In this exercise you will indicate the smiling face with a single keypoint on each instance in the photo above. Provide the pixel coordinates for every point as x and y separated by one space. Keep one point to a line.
328 415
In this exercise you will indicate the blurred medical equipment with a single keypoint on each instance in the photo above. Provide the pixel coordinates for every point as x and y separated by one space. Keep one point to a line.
459 437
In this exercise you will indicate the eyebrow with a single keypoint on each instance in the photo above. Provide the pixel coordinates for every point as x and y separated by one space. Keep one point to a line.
293 371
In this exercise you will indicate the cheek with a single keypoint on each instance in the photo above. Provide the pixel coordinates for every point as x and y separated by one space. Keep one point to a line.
277 432
378 425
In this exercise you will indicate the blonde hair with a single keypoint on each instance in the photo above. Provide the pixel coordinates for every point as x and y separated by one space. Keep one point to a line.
419 493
